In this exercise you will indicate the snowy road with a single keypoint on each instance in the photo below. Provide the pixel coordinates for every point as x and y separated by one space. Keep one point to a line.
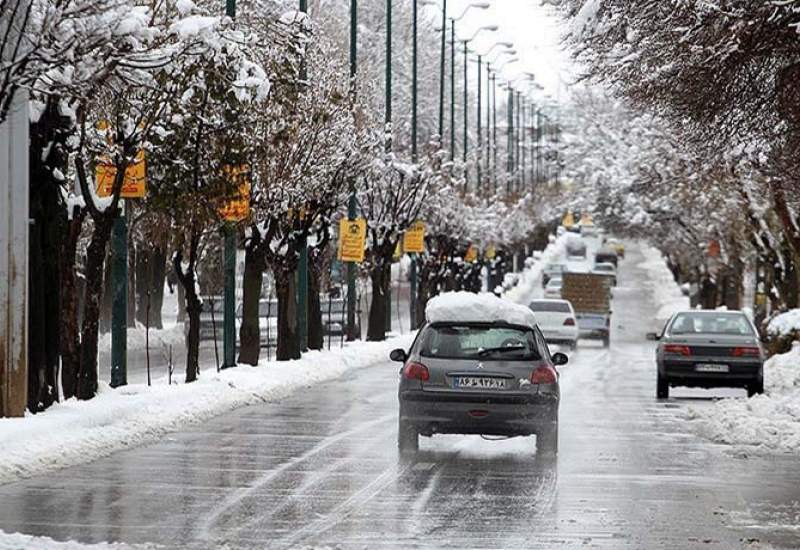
320 469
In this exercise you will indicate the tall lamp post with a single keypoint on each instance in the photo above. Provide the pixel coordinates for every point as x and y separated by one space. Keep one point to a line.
351 204
497 71
508 46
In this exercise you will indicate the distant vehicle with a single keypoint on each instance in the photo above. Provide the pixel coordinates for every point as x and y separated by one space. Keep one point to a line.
590 296
211 317
608 269
606 255
576 247
334 316
556 319
588 230
709 349
553 288
478 367
617 247
550 271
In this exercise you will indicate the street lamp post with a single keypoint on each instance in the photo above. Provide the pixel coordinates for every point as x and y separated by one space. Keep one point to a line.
302 264
412 300
510 146
351 204
388 135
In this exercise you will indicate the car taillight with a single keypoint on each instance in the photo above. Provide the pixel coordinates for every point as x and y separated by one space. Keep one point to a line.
675 348
544 375
746 352
569 322
416 371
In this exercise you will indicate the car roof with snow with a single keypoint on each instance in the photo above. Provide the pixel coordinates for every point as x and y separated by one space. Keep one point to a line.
467 307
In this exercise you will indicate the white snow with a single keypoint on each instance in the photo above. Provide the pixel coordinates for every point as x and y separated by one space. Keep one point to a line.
76 432
18 541
530 280
466 307
667 294
159 338
770 421
785 323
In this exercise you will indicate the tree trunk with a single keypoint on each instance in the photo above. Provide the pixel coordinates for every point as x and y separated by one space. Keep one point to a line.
287 347
250 331
181 304
69 342
376 328
316 334
95 257
158 275
187 281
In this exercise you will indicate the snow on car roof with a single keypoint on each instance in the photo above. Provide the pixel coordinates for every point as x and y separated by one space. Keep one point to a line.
466 307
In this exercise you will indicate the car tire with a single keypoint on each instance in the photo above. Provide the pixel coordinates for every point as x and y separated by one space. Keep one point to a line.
547 441
757 388
407 438
662 388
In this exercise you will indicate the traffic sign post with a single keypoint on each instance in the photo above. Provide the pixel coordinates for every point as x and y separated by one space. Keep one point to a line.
119 307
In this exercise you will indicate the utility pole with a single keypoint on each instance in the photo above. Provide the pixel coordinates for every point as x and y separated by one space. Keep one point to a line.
488 122
441 73
479 156
466 116
119 302
14 190
302 264
494 129
412 294
452 91
351 203
229 271
510 132
388 134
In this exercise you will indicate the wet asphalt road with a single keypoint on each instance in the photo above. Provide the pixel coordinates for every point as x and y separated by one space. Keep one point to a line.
320 469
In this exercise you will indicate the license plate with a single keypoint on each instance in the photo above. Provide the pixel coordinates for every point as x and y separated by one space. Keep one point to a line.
482 383
711 367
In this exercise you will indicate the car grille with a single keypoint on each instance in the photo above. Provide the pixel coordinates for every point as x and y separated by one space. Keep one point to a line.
712 351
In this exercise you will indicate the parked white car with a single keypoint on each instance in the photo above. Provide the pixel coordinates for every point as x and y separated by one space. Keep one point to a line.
553 288
556 319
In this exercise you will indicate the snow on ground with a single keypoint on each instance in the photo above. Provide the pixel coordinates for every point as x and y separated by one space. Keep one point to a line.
159 338
530 280
770 421
17 541
75 432
667 295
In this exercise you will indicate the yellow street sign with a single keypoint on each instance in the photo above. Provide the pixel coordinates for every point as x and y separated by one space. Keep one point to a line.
414 238
490 253
352 240
471 255
238 208
586 219
398 250
569 220
134 185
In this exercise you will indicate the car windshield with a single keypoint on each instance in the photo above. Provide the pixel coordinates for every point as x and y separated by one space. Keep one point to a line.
486 342
734 324
546 306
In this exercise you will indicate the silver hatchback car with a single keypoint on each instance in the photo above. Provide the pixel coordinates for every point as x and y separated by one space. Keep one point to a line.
490 378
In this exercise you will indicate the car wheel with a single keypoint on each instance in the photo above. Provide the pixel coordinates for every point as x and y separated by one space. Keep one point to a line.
407 438
756 388
547 441
662 388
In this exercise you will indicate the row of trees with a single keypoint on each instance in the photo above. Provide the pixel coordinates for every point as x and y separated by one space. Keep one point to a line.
694 138
209 100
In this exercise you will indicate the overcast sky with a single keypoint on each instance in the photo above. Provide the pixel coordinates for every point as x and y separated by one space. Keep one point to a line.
535 31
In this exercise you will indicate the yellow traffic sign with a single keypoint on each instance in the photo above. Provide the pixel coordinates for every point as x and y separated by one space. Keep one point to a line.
490 252
238 208
471 255
134 186
414 238
586 219
352 240
569 220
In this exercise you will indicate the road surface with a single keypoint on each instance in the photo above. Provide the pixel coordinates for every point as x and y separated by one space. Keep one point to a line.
321 470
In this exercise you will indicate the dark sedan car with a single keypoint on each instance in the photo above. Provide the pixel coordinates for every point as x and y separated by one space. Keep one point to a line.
709 349
488 378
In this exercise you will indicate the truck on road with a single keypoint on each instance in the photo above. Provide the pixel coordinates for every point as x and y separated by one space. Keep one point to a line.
590 296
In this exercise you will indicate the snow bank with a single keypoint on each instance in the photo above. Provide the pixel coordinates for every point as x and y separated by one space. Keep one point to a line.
784 324
667 295
18 541
466 307
530 279
170 336
75 432
770 421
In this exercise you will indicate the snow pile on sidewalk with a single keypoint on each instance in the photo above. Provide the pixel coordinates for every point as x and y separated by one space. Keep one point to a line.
785 323
530 280
17 541
75 432
770 421
169 336
667 295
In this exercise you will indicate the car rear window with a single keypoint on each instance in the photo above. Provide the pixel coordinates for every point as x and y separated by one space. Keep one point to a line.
484 342
558 307
711 323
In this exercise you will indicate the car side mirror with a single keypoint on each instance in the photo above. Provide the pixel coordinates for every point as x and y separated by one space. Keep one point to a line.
653 336
560 359
398 355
